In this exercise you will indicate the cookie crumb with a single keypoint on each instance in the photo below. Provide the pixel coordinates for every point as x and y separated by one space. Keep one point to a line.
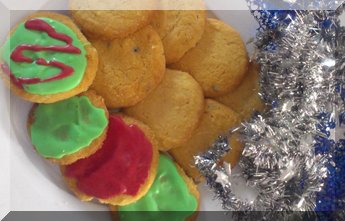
136 49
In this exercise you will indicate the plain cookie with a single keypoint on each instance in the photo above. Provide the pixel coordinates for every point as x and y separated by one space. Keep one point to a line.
129 68
173 110
218 62
216 120
180 31
245 99
109 24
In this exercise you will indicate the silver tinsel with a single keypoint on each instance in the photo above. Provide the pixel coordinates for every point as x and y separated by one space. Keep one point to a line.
294 4
301 63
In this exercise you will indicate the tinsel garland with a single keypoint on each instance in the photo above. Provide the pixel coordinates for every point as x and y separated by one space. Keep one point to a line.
290 157
293 4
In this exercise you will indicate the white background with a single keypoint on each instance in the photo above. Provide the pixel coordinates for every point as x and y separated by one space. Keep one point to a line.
35 183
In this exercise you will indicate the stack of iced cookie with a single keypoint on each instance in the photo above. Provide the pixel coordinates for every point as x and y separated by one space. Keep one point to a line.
125 99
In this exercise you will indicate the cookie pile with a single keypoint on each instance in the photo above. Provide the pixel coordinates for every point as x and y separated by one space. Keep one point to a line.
125 99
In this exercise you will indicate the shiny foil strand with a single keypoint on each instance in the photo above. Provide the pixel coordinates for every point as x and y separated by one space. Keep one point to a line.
302 63
293 4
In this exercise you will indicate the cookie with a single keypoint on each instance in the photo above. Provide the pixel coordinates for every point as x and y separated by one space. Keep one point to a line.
109 23
130 68
47 59
216 120
254 104
120 172
245 99
69 130
172 191
172 110
180 31
218 62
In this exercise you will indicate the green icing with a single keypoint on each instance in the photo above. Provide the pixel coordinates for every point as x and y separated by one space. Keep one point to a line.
169 192
30 70
65 127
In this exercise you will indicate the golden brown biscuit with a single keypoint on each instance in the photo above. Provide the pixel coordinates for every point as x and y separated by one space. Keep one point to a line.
218 62
86 166
89 73
193 190
172 110
180 31
109 23
96 144
129 68
245 99
254 103
235 154
216 120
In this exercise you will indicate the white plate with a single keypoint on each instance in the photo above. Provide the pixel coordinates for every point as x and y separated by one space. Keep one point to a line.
29 182
35 184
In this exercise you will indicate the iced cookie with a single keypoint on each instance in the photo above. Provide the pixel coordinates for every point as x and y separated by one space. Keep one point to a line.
69 130
180 31
120 172
218 62
216 120
47 59
129 68
171 191
172 110
109 23
245 99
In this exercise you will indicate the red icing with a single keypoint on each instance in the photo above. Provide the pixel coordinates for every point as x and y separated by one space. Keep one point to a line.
121 166
18 56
